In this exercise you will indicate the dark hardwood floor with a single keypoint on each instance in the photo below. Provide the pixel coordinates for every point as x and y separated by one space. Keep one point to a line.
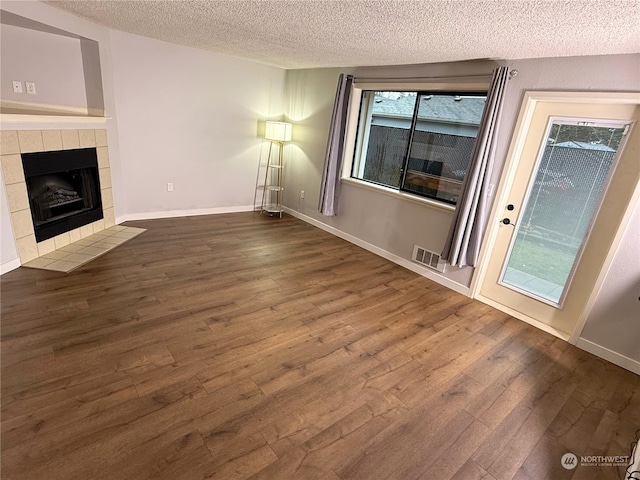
238 346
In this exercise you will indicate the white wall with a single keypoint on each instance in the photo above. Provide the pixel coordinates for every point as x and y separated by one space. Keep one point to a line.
53 62
614 322
189 117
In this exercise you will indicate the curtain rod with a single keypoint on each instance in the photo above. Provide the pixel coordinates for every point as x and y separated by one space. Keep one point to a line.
512 73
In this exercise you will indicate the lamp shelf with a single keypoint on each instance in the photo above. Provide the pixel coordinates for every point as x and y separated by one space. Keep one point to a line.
277 133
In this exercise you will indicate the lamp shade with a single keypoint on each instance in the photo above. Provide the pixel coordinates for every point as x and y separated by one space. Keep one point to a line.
278 131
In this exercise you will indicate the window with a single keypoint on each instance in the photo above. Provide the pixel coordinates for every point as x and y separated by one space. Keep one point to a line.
417 142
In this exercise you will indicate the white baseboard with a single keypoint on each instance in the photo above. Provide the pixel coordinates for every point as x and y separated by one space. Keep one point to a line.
525 318
10 265
614 357
392 257
183 213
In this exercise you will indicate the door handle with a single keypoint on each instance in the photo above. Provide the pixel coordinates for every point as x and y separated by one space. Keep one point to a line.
507 221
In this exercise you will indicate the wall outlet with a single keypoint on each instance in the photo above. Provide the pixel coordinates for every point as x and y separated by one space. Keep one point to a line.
301 194
17 86
169 187
31 87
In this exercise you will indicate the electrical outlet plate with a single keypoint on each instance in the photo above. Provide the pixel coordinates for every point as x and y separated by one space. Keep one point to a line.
17 86
31 87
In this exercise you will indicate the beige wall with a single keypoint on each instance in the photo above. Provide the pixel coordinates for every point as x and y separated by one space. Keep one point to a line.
394 225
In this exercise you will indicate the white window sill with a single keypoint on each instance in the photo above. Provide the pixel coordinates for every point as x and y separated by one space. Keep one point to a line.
392 192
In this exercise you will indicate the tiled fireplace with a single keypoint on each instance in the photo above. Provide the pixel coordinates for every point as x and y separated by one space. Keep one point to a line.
16 142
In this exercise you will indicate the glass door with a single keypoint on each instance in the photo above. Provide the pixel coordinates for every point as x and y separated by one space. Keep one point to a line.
574 172
570 177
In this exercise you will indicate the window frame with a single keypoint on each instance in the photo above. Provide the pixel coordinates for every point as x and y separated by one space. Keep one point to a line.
414 122
353 146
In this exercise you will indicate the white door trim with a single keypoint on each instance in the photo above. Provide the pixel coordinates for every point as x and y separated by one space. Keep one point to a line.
531 99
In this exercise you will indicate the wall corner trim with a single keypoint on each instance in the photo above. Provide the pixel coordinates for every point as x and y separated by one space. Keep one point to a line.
183 213
613 357
414 267
10 265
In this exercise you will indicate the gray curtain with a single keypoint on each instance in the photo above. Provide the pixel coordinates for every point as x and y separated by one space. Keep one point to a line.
467 228
329 188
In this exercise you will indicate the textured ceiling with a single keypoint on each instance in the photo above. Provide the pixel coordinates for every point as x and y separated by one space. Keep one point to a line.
340 33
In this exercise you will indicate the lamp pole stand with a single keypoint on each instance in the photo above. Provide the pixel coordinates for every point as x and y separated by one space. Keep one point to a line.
273 183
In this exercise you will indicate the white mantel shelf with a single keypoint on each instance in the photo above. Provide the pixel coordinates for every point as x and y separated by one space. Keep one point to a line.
10 121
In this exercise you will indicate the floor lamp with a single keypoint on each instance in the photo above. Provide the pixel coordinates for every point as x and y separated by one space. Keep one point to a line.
278 133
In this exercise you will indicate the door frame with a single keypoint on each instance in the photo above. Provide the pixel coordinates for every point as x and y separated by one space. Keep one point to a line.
525 117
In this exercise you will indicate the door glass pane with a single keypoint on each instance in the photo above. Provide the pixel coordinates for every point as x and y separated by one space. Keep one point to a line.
559 209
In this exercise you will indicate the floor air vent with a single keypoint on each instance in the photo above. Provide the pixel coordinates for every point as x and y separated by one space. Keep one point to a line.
427 258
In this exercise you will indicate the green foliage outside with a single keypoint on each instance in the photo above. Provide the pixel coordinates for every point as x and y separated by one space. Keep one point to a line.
610 137
537 258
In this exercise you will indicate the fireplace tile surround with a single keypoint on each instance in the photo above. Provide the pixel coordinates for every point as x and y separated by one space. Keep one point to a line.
15 142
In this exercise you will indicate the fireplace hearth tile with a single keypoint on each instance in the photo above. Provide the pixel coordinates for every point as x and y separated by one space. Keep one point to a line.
72 248
70 139
9 142
105 245
113 240
52 139
83 251
13 143
12 170
101 138
84 242
30 141
61 266
17 197
93 250
109 217
62 240
27 248
79 258
98 225
47 246
105 177
87 138
103 157
41 262
107 198
86 231
57 254
22 223
74 235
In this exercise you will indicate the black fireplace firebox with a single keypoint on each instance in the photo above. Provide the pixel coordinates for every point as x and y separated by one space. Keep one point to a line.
64 190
